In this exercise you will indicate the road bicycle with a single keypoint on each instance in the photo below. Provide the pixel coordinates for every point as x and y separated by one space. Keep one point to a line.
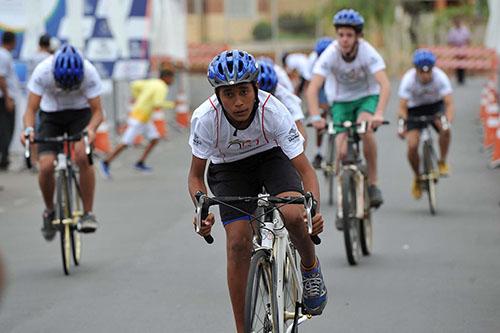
328 166
274 290
353 204
68 208
429 175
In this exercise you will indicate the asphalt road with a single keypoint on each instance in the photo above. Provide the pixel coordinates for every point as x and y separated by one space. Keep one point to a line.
145 270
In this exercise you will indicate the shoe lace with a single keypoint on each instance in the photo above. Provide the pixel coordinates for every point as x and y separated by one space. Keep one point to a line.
313 285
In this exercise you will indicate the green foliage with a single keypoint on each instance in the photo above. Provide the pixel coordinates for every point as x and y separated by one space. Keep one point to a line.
262 31
298 24
380 12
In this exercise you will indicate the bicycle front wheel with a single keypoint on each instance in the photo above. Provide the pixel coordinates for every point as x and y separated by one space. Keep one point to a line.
75 237
351 222
431 178
63 214
290 291
330 168
366 229
259 311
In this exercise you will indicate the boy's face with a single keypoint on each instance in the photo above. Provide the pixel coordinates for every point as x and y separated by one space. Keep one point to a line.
346 37
238 101
424 76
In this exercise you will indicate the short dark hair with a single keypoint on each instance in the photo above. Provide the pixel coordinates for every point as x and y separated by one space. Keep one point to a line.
8 37
166 72
44 40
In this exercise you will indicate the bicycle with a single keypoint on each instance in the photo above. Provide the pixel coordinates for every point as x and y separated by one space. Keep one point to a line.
274 290
353 205
329 167
68 195
430 173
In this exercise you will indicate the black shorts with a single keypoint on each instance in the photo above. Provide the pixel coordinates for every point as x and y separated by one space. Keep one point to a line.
272 169
423 110
56 123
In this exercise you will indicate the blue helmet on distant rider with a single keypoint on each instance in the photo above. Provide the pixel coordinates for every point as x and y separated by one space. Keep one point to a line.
68 68
268 80
232 67
424 59
321 44
349 18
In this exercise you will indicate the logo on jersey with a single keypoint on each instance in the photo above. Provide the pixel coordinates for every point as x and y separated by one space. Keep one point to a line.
293 135
196 140
243 144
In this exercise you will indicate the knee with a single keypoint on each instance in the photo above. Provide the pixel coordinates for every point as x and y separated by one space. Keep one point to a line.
412 148
446 134
81 160
46 167
239 247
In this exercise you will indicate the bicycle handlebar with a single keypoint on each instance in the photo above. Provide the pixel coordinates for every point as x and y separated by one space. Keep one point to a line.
203 203
58 139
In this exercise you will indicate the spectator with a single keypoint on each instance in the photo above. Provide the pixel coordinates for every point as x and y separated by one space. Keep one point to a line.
459 36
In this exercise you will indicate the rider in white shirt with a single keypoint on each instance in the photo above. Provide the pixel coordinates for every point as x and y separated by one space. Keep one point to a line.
425 90
251 140
66 88
355 79
298 69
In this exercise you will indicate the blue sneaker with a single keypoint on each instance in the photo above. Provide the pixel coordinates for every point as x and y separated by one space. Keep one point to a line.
140 166
315 293
104 170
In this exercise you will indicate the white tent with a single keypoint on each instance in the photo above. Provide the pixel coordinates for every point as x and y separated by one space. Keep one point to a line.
492 38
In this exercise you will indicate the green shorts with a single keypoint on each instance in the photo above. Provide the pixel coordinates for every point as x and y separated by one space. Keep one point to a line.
350 111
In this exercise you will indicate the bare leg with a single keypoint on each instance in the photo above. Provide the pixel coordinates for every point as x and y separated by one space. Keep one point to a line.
117 151
413 138
46 179
148 150
444 143
87 177
239 250
369 149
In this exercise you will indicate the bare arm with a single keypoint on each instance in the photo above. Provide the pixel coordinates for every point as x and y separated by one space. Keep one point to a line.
308 176
385 92
97 116
449 107
312 94
31 108
196 180
3 87
403 108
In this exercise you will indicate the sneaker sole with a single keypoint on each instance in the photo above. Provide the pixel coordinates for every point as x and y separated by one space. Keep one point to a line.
316 311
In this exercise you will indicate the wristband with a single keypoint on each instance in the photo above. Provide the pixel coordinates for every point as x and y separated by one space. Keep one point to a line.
314 118
28 130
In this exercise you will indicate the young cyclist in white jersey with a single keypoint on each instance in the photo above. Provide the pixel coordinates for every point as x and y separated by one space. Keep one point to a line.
268 81
251 141
297 67
354 76
425 91
66 88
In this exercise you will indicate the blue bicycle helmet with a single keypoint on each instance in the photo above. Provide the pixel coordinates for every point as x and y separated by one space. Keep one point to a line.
68 68
349 18
321 44
424 59
267 76
232 67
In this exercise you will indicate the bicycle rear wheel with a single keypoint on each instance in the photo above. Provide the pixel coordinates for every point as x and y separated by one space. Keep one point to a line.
330 168
63 214
431 177
351 222
366 229
259 311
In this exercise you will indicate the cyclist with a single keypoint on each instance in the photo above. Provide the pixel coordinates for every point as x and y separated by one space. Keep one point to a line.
354 76
425 90
252 141
66 88
268 81
297 67
321 45
149 95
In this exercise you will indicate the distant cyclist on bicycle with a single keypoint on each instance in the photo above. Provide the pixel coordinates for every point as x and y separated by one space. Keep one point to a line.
66 88
252 141
355 79
268 81
425 90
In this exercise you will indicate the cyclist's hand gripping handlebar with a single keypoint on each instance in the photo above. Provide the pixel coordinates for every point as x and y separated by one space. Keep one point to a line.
27 146
88 147
311 206
201 214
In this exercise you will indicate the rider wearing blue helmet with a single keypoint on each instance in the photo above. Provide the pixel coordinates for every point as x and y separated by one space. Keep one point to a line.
250 139
356 83
66 88
425 90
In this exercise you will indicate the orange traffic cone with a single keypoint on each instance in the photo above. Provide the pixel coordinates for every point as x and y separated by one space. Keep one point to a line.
490 127
102 142
160 122
495 156
182 110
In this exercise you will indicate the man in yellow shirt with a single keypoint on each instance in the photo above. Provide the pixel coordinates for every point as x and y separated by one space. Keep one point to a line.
149 95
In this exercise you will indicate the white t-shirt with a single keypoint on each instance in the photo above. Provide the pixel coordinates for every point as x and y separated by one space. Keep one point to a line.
283 78
299 63
349 81
7 71
54 99
291 101
418 94
213 137
37 58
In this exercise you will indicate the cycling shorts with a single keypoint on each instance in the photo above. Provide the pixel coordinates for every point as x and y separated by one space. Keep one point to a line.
424 110
350 111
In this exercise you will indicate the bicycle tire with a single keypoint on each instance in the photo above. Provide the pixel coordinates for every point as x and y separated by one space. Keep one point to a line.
330 168
429 171
366 230
63 214
75 237
351 226
259 312
290 292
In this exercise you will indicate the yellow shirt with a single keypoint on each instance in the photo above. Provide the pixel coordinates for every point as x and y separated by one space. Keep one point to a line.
149 95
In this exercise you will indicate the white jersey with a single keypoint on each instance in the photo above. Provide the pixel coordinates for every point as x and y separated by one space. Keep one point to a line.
349 81
8 73
290 101
418 93
54 99
283 78
37 58
299 63
213 137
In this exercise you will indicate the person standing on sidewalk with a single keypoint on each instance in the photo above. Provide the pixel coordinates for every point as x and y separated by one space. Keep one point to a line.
459 36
